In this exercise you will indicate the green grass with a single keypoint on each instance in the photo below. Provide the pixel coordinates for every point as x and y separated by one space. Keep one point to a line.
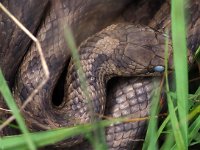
97 139
50 137
181 70
180 129
15 111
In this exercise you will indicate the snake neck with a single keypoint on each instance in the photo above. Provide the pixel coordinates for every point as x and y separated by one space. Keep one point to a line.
81 101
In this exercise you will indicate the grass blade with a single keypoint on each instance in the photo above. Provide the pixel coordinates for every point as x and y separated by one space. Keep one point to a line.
181 68
15 111
151 139
99 137
169 142
194 129
44 138
171 109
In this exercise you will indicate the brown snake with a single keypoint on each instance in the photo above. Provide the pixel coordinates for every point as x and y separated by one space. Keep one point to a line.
115 51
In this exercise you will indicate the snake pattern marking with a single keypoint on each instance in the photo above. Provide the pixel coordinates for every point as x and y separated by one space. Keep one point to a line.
106 62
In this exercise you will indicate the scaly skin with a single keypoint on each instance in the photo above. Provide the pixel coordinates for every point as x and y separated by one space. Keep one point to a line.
14 42
115 51
122 104
82 14
160 21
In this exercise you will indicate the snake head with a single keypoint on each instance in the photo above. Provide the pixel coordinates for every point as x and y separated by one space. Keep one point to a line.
146 49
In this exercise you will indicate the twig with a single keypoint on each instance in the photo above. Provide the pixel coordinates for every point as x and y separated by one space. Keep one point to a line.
6 110
43 61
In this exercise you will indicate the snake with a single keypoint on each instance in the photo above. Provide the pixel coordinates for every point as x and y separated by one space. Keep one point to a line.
33 13
114 51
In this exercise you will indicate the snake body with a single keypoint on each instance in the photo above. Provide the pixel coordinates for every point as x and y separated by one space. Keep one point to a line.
79 15
115 51
119 55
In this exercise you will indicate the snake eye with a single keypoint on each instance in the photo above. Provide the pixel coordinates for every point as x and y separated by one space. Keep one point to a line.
92 78
159 68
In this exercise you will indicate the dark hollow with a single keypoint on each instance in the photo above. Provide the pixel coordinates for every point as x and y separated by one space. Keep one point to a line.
58 93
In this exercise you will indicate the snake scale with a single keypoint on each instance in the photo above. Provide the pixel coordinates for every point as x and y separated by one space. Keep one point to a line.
114 51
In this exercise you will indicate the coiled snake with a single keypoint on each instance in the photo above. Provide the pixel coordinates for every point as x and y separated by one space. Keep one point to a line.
119 50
